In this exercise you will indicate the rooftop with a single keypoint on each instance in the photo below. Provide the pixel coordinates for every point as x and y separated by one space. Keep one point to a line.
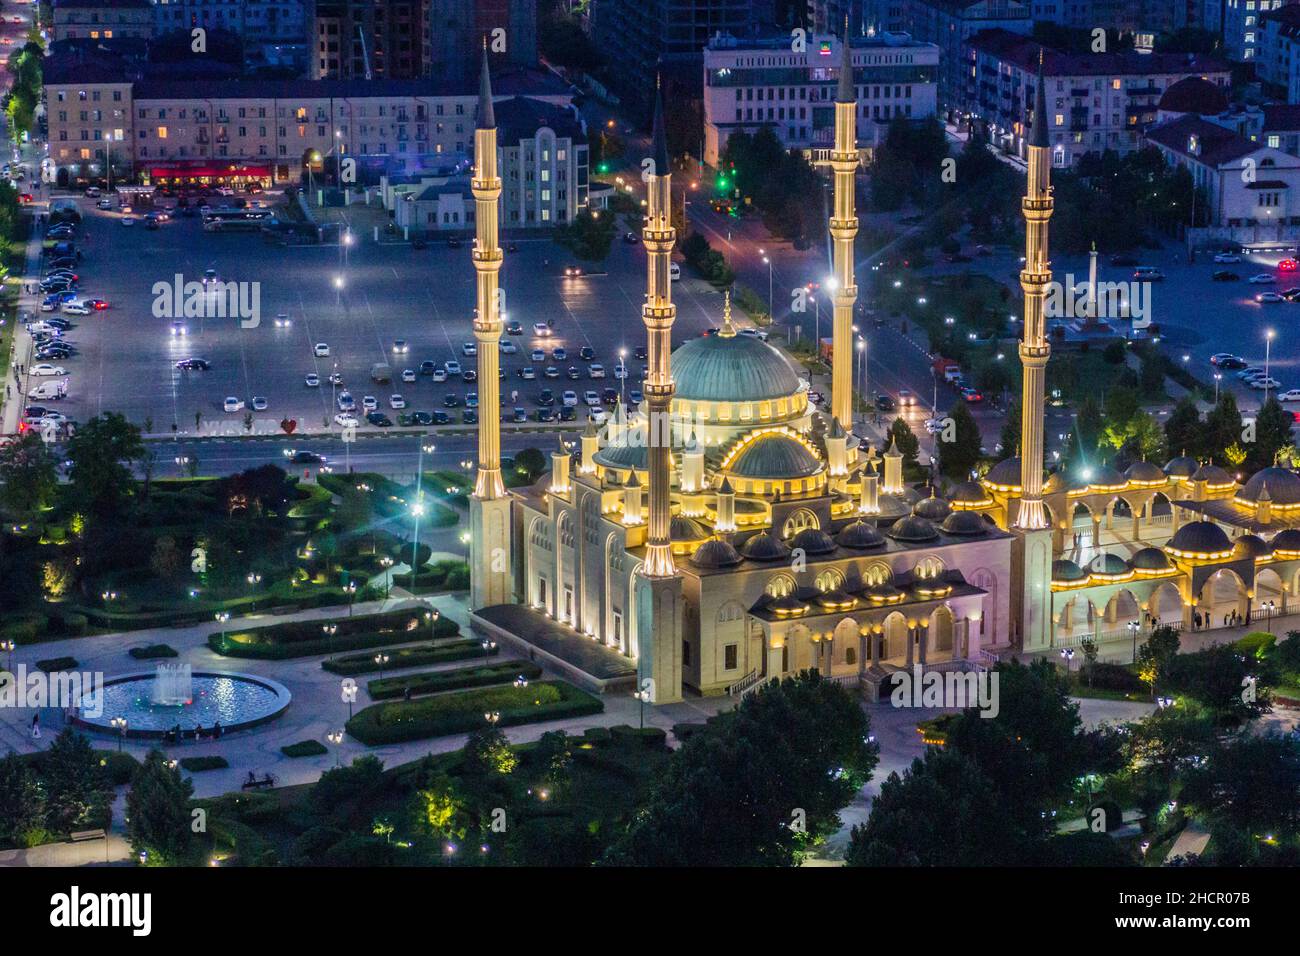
1023 52
1198 139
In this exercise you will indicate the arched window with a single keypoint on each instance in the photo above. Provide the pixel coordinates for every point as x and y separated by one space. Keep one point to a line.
829 580
731 611
799 520
877 575
780 586
927 569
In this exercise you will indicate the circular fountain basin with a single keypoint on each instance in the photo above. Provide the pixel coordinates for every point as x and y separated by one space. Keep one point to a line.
237 701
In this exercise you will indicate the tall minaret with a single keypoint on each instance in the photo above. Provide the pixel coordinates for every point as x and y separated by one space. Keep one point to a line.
489 506
844 227
658 314
657 587
1034 349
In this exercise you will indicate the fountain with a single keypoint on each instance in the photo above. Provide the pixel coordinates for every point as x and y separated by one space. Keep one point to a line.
172 685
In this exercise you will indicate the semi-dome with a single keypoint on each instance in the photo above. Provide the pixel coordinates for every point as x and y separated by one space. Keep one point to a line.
1063 569
932 508
1193 94
813 541
1005 474
1150 559
964 523
1144 471
912 528
970 494
1107 563
1283 486
774 455
731 368
715 554
859 536
1251 545
631 454
1288 540
1183 466
1212 475
1200 537
682 528
764 547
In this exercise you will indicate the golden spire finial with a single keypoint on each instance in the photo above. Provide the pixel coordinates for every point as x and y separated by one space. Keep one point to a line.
728 330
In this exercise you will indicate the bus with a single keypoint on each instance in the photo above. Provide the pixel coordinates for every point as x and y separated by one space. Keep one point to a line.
231 220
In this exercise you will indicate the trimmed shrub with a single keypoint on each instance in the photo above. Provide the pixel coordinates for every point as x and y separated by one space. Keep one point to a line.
23 628
307 638
1114 816
420 655
432 682
653 738
304 748
1257 644
463 711
686 731
199 764
1114 677
57 664
69 623
120 767
596 735
152 652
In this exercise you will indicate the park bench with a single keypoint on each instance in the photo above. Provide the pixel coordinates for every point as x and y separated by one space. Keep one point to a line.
81 836
267 781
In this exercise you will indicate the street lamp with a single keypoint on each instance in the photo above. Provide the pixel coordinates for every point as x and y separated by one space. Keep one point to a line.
386 562
488 648
1133 628
1268 345
119 724
8 647
351 588
432 616
381 659
222 617
622 382
492 716
643 698
1217 377
1269 608
767 261
336 738
1067 655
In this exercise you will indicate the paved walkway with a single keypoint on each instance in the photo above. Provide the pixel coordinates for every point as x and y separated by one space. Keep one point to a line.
1191 842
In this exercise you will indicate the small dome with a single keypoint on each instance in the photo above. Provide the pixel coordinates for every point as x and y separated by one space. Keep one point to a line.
1143 471
1005 474
1181 467
1150 559
964 523
1212 474
1107 563
813 541
764 547
624 455
1066 570
1283 486
775 456
912 529
1193 94
1288 540
1200 537
969 493
932 509
1060 481
883 592
787 605
1250 544
715 554
859 536
682 528
1104 476
835 598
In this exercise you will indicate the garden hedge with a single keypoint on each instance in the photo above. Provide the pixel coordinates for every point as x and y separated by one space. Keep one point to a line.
441 652
304 748
199 764
432 682
53 664
152 652
463 711
308 639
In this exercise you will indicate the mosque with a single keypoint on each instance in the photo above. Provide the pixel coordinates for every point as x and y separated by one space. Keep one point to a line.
728 532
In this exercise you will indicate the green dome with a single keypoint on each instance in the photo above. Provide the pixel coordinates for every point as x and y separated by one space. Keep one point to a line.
775 456
736 368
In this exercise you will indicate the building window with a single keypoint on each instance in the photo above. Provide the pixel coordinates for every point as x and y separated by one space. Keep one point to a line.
729 657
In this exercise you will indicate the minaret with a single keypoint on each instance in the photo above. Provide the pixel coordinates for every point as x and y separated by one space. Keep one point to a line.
1034 349
490 577
658 314
657 587
844 227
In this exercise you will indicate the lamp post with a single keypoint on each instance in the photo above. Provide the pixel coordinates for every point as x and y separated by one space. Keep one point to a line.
1270 608
222 618
1268 348
1217 377
1133 628
1067 655
643 697
386 563
8 648
381 659
492 717
488 648
352 595
767 261
119 724
432 616
336 738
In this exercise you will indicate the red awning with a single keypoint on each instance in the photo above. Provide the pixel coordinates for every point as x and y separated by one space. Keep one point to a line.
184 169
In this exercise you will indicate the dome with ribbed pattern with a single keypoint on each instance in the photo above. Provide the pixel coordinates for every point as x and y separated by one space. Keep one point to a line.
735 368
775 456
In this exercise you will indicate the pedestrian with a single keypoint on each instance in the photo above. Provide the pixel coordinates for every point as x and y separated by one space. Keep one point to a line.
36 726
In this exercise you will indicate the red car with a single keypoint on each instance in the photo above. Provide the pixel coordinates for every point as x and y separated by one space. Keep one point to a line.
26 197
1288 265
99 305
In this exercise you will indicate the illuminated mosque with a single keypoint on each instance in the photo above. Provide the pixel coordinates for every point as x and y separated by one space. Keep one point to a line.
728 532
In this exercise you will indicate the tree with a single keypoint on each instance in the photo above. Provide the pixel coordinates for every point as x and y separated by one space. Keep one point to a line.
167 559
158 821
905 441
77 792
1272 433
28 477
958 457
1223 680
102 452
23 820
1251 783
1223 426
1183 428
531 463
589 235
1158 650
758 785
1009 436
487 752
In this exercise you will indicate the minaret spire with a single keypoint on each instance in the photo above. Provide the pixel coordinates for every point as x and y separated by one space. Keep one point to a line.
487 257
843 229
658 314
1034 347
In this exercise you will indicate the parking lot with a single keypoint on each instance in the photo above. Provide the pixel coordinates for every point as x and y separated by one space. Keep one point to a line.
126 355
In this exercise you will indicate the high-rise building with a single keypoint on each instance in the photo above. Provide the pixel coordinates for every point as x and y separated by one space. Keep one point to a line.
951 23
371 39
457 28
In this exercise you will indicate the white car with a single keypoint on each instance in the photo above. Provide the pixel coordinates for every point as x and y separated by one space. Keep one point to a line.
396 401
569 398
1269 297
282 320
369 403
128 221
1263 278
46 369
620 371
1227 257
400 347
591 398
934 425
105 203
259 403
452 367
528 373
233 404
345 420
542 329
596 371
469 350
597 415
312 380
345 401
1250 371
1264 381
440 375
1290 395
322 350
674 271
755 333
508 347
75 308
408 375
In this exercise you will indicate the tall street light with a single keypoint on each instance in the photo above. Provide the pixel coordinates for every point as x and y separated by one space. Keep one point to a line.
1268 343
767 261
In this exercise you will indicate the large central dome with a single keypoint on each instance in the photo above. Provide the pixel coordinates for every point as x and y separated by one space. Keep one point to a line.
735 368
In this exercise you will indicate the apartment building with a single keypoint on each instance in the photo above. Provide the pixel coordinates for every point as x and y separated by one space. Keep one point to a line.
102 19
371 39
949 24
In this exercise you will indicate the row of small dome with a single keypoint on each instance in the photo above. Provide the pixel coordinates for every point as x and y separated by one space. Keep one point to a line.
858 536
1195 538
1006 473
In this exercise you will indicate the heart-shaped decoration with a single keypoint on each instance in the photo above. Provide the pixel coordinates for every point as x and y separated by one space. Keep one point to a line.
288 425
